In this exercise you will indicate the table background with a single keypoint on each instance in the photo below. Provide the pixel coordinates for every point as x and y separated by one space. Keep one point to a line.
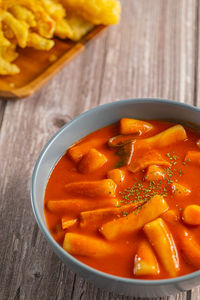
153 52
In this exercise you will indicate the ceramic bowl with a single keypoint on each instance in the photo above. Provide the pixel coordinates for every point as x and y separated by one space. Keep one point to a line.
56 147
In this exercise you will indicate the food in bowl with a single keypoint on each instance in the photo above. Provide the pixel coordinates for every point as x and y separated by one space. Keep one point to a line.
124 199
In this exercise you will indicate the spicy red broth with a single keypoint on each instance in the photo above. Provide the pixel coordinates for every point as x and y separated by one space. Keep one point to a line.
125 200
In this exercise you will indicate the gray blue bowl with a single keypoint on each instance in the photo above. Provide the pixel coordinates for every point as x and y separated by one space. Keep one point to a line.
56 147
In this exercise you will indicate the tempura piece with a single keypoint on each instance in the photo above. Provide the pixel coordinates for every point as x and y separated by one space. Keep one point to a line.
154 173
45 25
92 161
130 126
145 262
78 244
165 138
7 50
3 41
38 42
116 175
93 219
96 11
135 221
99 188
71 26
23 14
75 28
78 205
191 215
8 33
163 243
7 68
20 29
179 190
63 30
54 9
193 157
9 53
152 157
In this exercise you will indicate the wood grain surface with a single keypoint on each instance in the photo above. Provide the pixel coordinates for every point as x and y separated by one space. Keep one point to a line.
153 52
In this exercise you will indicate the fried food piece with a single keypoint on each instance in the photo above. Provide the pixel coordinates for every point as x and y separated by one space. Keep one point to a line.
10 54
45 25
3 41
19 28
7 55
96 11
23 14
7 68
71 26
38 42
63 30
54 9
78 28
33 22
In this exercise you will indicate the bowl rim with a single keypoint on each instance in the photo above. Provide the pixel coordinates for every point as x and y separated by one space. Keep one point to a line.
46 232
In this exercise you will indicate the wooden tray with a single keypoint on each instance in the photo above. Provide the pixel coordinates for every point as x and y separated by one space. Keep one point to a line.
37 68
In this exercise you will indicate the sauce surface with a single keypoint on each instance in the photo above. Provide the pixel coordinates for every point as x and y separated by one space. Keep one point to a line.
134 189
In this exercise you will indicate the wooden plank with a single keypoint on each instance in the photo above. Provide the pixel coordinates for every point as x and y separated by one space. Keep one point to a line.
162 41
150 53
195 294
2 109
197 58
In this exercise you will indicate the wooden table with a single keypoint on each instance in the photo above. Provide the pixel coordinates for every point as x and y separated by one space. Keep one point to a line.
153 52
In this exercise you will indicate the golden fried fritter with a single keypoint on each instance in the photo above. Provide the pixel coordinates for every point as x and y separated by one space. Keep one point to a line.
105 12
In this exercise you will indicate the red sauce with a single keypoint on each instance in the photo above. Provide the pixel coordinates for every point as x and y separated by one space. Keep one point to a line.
121 262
